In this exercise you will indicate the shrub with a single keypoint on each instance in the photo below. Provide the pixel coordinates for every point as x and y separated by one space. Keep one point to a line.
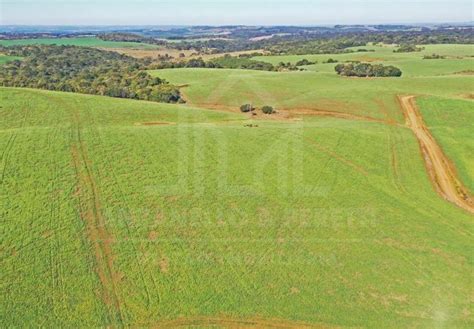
434 56
247 108
304 62
268 110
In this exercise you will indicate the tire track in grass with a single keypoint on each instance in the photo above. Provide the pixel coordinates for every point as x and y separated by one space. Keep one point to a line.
126 223
392 133
9 146
91 213
338 157
6 154
440 169
51 235
224 322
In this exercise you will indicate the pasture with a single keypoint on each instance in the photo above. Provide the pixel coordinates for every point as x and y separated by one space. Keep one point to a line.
77 41
123 213
128 213
293 91
452 124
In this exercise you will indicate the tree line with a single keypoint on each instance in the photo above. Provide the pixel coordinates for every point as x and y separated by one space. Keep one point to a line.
326 41
225 62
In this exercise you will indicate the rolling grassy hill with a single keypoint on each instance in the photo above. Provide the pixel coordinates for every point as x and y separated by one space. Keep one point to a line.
128 213
309 90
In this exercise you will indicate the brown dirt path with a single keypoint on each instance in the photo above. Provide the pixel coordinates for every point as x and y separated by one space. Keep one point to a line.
224 322
440 169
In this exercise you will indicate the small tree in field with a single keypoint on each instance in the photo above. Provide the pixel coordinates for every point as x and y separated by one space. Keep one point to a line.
268 110
247 108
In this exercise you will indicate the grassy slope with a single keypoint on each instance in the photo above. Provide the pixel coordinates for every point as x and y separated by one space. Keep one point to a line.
452 124
309 90
83 41
459 58
321 88
323 220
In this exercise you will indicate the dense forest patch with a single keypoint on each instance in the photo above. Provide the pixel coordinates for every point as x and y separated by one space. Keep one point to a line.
84 70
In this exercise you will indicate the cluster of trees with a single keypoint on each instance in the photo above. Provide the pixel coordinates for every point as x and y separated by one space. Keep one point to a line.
246 108
434 56
408 49
130 37
84 70
367 70
232 62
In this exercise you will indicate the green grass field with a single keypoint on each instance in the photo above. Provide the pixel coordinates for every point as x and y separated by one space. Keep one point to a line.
122 213
321 88
5 59
452 124
203 216
80 41
380 53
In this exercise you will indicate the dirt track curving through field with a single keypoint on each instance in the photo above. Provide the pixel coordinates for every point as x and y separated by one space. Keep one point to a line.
440 169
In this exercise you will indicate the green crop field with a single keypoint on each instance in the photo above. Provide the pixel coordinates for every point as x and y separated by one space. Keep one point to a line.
452 124
5 59
380 53
121 212
124 213
322 89
79 41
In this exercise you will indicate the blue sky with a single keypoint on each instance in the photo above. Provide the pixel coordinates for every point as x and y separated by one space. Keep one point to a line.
215 12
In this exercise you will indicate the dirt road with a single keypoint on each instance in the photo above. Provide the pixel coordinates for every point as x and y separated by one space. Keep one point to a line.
440 169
